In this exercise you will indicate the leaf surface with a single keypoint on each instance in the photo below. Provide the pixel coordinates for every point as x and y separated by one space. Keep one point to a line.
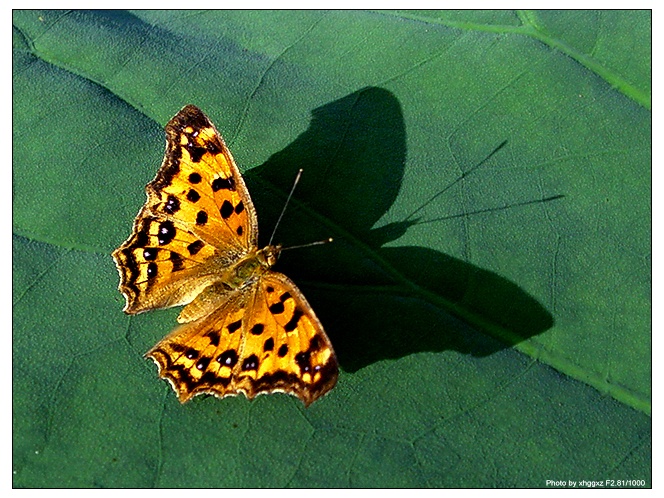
485 176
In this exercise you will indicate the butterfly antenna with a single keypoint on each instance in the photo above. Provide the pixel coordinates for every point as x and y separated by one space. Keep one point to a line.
297 179
317 243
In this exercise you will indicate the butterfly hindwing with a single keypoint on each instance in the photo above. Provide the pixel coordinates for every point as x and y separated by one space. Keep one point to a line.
294 353
264 339
201 356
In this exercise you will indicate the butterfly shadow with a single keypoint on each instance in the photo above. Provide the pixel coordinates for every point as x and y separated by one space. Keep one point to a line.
378 302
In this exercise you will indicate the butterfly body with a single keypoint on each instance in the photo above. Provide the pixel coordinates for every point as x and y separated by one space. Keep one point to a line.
254 265
238 276
245 328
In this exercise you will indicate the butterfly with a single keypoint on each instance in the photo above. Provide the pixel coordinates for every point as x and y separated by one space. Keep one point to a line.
244 328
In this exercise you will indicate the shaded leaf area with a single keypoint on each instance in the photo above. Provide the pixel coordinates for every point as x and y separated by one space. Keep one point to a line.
483 192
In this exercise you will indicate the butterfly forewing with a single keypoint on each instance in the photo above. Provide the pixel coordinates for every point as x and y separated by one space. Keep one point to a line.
160 264
198 211
200 186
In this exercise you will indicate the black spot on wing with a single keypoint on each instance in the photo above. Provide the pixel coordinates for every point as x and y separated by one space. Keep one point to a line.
226 209
201 218
166 232
172 205
194 247
196 152
232 327
197 148
203 363
223 183
303 360
211 379
213 335
150 253
193 196
152 270
277 308
257 329
292 323
191 353
250 363
177 261
228 358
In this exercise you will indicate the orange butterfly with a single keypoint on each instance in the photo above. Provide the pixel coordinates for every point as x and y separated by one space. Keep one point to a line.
245 328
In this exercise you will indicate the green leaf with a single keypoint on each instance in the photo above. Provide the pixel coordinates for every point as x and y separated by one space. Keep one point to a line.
485 176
